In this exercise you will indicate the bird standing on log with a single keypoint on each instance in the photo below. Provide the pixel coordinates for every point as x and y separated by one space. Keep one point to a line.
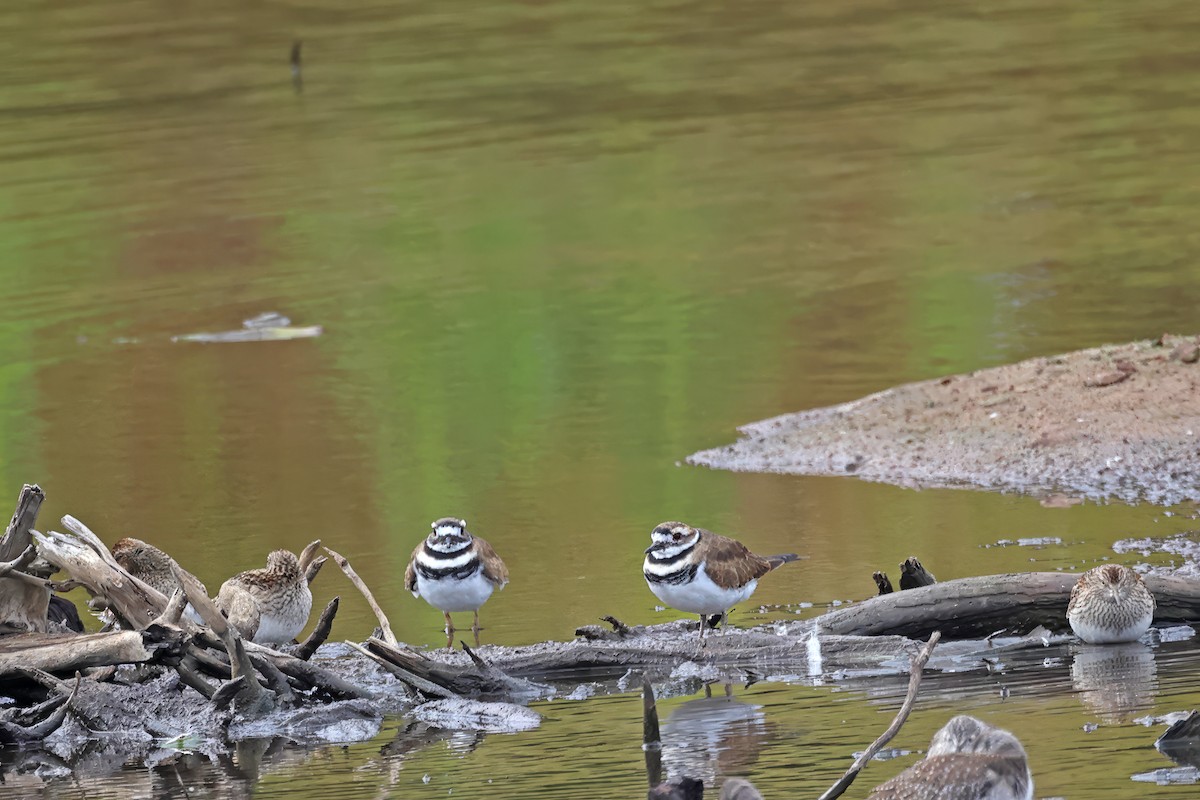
701 572
1110 604
268 606
454 571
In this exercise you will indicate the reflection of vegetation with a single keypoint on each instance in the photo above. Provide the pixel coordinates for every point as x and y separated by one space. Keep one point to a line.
550 269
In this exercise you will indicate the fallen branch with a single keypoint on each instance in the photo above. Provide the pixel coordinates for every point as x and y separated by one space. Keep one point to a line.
63 653
969 608
384 625
251 699
916 672
319 633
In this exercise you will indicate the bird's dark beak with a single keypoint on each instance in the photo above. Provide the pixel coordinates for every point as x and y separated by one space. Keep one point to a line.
650 549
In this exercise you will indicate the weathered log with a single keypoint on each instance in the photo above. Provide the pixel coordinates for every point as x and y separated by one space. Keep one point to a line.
87 560
69 652
977 607
24 599
513 672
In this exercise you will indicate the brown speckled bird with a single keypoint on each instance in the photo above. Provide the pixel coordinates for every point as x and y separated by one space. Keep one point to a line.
967 760
146 563
1109 604
268 606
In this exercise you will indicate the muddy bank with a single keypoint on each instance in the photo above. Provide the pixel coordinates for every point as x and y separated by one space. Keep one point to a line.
1118 421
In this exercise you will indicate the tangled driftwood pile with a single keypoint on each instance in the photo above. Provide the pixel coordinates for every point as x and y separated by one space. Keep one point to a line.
160 676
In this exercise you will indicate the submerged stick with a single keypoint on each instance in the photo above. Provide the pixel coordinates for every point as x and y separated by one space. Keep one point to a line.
384 625
651 737
914 683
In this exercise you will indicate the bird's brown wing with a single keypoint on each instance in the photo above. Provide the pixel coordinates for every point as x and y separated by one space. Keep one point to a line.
240 607
493 567
1075 590
410 574
730 563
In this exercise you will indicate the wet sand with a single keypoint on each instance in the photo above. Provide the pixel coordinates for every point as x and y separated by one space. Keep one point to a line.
1118 421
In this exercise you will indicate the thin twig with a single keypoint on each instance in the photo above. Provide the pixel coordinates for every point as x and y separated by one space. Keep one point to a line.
384 625
914 683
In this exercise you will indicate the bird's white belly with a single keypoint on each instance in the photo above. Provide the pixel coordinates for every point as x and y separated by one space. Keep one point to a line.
1092 633
452 594
284 624
273 629
701 595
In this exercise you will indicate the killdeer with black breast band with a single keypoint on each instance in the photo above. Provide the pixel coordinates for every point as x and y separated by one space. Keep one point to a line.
455 571
701 572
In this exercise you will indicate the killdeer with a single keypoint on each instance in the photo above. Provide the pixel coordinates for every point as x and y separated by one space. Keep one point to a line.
700 572
269 606
454 571
967 760
1110 604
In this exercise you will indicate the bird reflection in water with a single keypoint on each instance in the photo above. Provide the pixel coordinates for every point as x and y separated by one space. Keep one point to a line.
1115 681
713 736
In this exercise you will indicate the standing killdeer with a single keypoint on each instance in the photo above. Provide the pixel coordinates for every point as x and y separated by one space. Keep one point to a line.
454 571
1110 604
967 760
700 572
269 606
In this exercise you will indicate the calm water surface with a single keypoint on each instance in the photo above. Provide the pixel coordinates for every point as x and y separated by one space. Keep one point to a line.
555 248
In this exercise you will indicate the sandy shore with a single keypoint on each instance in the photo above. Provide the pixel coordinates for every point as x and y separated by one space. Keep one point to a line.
1119 421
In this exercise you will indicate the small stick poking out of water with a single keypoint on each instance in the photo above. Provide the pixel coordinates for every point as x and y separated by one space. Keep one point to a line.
297 77
651 738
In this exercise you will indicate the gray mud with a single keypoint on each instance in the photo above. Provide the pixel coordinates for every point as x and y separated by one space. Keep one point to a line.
1119 421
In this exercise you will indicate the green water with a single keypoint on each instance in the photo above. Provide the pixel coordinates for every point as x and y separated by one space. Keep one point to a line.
555 248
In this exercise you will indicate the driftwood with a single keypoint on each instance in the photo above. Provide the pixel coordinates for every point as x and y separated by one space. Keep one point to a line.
67 652
21 726
24 599
254 680
384 626
978 607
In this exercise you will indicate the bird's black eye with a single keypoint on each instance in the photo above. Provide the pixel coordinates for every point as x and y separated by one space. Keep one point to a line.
676 535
